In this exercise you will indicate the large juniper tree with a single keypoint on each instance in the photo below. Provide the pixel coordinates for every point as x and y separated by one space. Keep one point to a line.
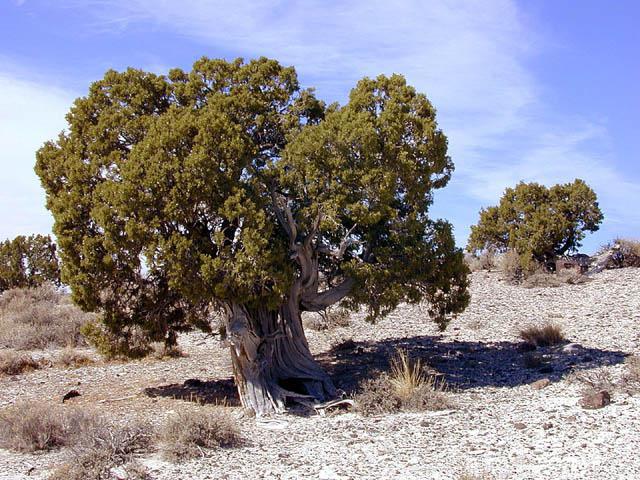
229 187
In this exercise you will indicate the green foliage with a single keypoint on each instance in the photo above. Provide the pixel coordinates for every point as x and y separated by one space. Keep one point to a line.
131 342
168 194
537 222
27 262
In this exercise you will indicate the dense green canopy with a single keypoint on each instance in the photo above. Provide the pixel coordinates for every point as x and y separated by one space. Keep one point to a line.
173 193
26 262
539 223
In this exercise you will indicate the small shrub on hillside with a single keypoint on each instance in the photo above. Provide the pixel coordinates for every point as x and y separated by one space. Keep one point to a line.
161 351
544 279
328 319
187 434
72 358
406 387
487 260
593 381
34 318
631 376
99 446
15 363
544 336
30 426
510 267
630 250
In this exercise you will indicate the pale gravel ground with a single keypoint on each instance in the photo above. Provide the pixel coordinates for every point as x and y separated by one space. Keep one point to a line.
479 354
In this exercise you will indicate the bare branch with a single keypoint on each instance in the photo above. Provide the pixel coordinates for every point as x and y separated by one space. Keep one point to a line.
315 302
342 248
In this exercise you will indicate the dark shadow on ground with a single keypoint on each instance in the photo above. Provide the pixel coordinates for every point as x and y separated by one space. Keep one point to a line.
464 364
217 392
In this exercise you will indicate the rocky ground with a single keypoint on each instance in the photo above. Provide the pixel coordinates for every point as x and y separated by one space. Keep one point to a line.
501 427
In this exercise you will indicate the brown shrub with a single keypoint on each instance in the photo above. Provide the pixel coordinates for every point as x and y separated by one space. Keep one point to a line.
163 352
333 317
14 363
630 250
186 435
544 336
510 266
33 318
407 387
99 446
30 426
631 377
72 358
544 279
487 260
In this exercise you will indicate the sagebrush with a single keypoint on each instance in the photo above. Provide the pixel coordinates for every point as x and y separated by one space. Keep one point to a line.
41 317
189 434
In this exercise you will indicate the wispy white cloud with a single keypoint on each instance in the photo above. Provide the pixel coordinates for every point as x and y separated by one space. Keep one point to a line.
30 114
470 57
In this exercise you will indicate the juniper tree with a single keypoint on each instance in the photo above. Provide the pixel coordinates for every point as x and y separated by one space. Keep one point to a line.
539 223
27 262
230 187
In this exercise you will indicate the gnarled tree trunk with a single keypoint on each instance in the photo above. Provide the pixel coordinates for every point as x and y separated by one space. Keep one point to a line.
271 359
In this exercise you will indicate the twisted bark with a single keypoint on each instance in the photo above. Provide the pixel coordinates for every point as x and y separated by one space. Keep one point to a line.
271 359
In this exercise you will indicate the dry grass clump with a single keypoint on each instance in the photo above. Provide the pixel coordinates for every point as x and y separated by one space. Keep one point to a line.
544 336
406 387
15 363
333 317
186 435
71 358
35 318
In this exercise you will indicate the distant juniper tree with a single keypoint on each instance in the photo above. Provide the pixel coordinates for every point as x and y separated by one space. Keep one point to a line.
229 187
27 262
537 222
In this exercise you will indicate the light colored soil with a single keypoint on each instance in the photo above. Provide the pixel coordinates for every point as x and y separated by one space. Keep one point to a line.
502 427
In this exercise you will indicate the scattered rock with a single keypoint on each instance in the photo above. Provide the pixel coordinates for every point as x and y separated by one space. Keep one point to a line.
519 426
595 400
540 384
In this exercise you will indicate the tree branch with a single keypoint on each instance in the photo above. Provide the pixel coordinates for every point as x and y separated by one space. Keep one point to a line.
316 302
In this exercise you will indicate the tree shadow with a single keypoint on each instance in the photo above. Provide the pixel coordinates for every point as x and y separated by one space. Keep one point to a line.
216 392
464 364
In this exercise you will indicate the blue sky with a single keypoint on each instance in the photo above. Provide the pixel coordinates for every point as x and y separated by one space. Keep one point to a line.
542 91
